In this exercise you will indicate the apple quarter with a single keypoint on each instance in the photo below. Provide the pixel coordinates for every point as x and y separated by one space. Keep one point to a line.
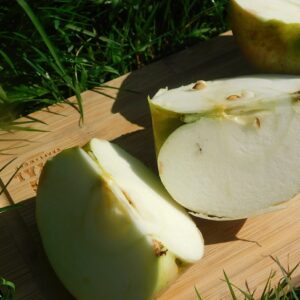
108 226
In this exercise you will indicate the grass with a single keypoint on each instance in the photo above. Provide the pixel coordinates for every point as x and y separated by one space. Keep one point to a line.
7 289
53 50
283 290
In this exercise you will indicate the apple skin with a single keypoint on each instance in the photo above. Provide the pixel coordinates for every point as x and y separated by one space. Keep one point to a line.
271 46
164 122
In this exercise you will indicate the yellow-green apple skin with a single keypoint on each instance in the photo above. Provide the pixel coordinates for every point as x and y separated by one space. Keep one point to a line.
164 122
271 45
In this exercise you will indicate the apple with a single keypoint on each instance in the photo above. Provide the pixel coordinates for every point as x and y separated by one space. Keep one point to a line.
108 226
229 149
268 33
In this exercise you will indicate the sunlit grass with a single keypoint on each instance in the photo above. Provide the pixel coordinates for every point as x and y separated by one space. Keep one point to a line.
53 50
282 290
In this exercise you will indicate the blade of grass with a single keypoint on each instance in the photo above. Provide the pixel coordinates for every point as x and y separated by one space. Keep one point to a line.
58 66
8 61
3 95
81 30
248 289
42 32
248 295
267 287
198 295
77 92
230 286
7 289
10 207
287 277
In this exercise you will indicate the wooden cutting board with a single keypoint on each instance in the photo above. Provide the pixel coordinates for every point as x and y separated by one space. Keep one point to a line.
243 249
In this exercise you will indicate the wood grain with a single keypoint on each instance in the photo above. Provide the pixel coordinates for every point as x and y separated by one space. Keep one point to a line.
242 248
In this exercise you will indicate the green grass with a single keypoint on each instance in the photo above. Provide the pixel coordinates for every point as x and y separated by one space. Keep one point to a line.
7 289
283 290
51 50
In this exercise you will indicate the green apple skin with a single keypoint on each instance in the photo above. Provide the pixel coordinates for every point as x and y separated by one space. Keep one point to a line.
164 122
90 239
272 46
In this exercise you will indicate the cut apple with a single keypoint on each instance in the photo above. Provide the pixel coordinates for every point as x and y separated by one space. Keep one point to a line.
109 228
236 152
268 32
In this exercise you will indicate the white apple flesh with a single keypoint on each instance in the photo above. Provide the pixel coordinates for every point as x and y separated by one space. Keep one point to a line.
236 153
109 228
268 33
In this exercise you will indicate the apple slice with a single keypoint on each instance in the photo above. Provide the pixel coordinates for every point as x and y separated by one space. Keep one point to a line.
109 228
268 32
234 151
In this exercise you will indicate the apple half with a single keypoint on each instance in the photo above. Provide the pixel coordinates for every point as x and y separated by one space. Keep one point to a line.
229 149
108 226
268 33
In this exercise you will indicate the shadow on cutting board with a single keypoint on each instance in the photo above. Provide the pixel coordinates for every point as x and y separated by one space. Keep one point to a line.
23 259
214 59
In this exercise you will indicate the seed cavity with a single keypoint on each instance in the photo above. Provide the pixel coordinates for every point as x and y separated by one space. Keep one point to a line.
233 97
159 248
200 85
